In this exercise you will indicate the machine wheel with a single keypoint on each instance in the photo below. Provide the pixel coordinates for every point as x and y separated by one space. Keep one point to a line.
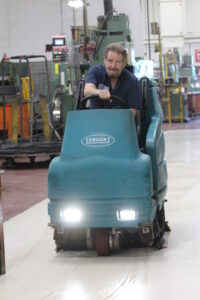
161 219
160 226
102 242
59 241
70 239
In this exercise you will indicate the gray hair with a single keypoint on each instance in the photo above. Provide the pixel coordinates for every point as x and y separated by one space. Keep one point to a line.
115 47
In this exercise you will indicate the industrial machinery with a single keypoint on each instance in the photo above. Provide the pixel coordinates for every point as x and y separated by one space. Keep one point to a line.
190 73
71 61
111 27
34 107
107 188
179 86
27 126
59 48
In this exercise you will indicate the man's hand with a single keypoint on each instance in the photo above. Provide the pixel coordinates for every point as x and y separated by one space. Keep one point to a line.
103 94
90 89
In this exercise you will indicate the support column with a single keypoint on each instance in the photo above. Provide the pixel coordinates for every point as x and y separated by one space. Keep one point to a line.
2 249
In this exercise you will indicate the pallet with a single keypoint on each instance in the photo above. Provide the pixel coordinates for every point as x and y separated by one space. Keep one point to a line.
26 161
29 155
2 248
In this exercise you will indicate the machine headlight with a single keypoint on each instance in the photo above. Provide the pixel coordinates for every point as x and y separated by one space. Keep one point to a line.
126 215
71 215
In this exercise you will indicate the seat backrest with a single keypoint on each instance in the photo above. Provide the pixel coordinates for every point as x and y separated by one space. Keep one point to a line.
144 83
141 114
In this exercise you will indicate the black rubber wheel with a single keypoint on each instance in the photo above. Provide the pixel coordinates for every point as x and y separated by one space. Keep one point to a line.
70 239
59 241
159 227
161 219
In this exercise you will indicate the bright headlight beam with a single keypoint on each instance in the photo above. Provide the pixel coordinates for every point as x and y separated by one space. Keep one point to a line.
126 215
71 215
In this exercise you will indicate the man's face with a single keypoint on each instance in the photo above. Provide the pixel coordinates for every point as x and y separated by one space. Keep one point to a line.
114 64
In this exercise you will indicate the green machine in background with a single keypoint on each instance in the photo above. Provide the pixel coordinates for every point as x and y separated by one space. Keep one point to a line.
64 76
111 29
71 62
62 99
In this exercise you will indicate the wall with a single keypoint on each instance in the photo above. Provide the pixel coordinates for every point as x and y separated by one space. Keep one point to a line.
150 11
192 28
134 10
28 25
179 25
4 27
172 23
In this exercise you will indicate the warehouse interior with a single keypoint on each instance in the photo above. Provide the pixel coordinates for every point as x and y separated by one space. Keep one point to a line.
150 249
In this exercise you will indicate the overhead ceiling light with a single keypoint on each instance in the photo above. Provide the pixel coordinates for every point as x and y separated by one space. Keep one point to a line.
75 3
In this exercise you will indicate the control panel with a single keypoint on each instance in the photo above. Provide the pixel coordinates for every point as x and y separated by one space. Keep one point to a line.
59 48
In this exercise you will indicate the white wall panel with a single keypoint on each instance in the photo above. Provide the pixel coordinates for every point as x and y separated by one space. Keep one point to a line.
4 28
134 11
192 18
26 26
172 16
29 25
172 23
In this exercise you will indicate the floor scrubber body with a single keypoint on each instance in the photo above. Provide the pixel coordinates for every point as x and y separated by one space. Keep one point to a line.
108 186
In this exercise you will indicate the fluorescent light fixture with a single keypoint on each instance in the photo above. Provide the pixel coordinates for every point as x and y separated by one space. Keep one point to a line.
75 3
71 215
126 215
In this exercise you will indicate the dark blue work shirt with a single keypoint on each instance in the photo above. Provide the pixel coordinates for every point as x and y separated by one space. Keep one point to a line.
127 86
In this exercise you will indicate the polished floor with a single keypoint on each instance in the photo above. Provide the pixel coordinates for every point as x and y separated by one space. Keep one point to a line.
36 272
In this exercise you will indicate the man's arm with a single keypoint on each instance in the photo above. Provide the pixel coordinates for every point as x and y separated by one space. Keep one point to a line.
90 89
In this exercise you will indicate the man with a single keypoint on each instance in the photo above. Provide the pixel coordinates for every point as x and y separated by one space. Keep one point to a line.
113 79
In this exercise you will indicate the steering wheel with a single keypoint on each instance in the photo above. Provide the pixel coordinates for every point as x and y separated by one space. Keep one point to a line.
100 103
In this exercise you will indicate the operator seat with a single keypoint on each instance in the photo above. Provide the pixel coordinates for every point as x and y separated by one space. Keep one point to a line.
80 93
141 119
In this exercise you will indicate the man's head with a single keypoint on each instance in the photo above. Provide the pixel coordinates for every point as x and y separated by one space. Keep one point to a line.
115 57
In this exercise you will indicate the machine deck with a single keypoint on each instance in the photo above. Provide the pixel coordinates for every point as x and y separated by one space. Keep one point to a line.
36 154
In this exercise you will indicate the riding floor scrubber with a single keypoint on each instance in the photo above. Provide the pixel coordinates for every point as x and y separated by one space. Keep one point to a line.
107 188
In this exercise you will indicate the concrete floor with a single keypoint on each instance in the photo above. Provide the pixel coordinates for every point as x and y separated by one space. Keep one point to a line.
36 272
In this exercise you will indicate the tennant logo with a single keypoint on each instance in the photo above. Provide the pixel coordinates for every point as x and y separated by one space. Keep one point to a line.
97 140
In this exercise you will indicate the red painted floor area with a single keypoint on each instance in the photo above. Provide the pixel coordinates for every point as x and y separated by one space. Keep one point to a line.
21 189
